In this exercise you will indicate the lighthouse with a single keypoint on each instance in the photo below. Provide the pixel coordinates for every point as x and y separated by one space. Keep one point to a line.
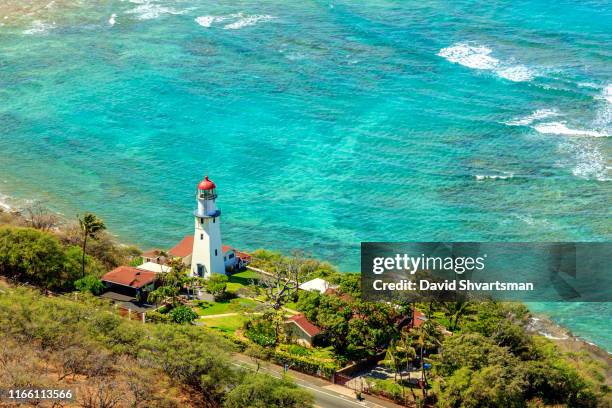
207 255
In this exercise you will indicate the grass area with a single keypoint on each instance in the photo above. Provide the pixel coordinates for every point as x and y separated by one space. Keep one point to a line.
241 280
226 324
230 306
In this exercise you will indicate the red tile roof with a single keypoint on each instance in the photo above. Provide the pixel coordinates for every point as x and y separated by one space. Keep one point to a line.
183 248
305 324
152 253
130 276
418 318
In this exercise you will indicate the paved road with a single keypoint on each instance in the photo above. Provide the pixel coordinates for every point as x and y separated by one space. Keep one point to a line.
326 395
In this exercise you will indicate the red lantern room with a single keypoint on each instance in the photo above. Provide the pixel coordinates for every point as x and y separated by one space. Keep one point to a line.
206 184
206 189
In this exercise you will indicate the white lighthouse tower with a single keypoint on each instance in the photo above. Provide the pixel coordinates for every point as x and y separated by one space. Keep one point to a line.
207 255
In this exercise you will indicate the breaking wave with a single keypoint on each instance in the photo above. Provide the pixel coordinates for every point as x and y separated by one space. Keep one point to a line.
505 176
560 128
147 10
535 116
479 57
234 21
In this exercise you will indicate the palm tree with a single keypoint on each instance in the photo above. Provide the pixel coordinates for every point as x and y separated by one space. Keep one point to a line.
426 336
90 225
457 310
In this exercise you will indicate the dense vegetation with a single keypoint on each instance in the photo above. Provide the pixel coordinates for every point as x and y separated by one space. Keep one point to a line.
492 361
477 354
46 340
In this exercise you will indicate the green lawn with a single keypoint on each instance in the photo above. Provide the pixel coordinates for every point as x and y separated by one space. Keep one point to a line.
231 306
227 324
241 280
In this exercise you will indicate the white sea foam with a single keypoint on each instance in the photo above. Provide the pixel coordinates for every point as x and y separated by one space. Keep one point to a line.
587 159
471 56
533 117
560 128
505 176
235 21
603 118
4 205
247 21
205 21
587 85
607 93
39 27
479 57
519 73
112 20
148 10
591 164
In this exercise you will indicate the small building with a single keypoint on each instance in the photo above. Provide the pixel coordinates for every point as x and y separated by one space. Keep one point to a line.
301 331
232 259
418 318
129 284
183 250
318 284
153 255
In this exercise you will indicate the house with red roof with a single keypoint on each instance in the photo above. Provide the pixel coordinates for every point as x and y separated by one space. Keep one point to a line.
129 285
302 331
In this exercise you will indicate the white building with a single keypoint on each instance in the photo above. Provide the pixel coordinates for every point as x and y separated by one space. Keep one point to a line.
201 252
207 254
318 284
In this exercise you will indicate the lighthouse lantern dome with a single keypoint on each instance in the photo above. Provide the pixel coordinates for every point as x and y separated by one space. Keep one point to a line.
206 189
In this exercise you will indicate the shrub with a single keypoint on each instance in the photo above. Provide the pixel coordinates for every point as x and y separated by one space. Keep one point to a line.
216 285
34 256
182 315
258 391
298 350
261 332
89 284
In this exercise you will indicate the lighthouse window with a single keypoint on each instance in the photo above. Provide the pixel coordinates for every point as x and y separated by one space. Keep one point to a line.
201 236
214 219
201 220
215 252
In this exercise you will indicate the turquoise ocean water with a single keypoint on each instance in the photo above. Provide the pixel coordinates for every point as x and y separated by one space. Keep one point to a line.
324 124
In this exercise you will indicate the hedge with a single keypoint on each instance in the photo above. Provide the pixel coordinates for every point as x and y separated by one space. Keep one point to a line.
324 369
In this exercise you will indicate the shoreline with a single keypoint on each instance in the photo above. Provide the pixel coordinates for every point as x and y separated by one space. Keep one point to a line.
539 324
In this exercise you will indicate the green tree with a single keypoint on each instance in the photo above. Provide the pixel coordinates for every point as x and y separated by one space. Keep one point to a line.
90 226
456 311
261 331
262 391
183 314
171 282
89 284
216 285
30 255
